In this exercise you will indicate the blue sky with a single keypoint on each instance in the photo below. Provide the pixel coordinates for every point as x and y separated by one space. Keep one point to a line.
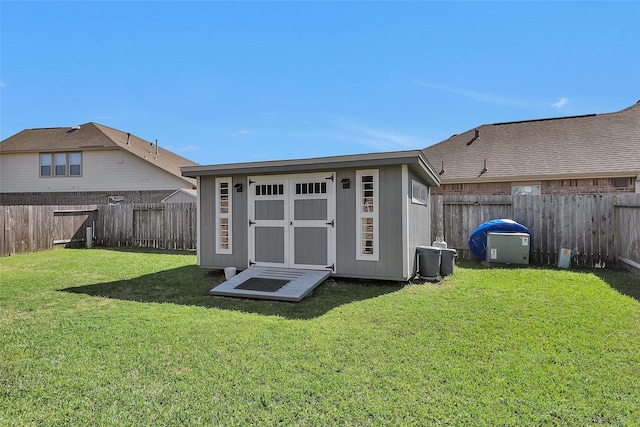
221 82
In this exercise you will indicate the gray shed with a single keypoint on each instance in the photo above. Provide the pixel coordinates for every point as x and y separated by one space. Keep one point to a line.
358 216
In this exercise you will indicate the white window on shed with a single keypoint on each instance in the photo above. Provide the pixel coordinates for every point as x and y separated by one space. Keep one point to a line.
419 193
223 215
367 203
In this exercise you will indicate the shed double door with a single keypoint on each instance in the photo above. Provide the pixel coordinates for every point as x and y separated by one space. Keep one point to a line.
292 221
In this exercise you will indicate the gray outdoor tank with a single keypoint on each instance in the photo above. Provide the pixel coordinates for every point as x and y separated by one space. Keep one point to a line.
428 262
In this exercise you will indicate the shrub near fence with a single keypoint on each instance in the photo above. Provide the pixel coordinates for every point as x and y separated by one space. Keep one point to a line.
597 228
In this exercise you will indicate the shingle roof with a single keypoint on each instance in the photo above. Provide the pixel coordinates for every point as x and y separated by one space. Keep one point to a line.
595 145
94 136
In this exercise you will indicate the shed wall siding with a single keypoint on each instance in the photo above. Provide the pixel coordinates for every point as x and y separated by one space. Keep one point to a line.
107 170
208 256
391 227
419 227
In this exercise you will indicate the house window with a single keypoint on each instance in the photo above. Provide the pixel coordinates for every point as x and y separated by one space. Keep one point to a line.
60 164
419 193
75 164
367 215
45 164
525 190
115 200
223 215
620 182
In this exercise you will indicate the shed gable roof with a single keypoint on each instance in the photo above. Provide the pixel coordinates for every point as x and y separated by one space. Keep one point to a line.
564 147
94 136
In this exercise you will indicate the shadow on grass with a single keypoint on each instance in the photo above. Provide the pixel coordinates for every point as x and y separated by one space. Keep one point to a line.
140 250
469 263
190 286
622 281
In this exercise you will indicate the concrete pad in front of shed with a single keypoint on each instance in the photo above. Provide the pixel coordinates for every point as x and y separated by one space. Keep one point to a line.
296 284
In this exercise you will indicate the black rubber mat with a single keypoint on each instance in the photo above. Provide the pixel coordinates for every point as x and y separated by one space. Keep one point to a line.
262 284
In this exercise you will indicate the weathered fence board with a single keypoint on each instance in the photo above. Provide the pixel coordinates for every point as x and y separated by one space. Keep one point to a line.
36 228
627 230
456 217
152 225
597 228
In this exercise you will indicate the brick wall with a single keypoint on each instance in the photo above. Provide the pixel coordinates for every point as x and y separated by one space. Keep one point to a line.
480 189
588 186
82 197
562 187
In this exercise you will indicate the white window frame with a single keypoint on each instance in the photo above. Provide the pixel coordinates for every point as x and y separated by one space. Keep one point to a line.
60 160
419 193
528 189
46 160
53 160
115 200
372 215
220 216
70 163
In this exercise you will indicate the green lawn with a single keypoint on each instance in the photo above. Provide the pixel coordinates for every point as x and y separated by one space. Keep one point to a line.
107 337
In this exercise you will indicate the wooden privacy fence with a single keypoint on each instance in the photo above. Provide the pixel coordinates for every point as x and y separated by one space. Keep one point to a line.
597 228
154 225
37 228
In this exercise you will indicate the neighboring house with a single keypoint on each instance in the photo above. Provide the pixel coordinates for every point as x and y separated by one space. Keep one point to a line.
86 164
590 154
357 216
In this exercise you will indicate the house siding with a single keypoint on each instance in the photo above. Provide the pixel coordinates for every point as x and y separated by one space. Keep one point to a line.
104 173
104 170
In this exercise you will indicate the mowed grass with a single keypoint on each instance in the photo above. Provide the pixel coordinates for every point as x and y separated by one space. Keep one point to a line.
108 337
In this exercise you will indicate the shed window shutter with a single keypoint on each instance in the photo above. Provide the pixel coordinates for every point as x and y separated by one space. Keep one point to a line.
223 215
367 206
